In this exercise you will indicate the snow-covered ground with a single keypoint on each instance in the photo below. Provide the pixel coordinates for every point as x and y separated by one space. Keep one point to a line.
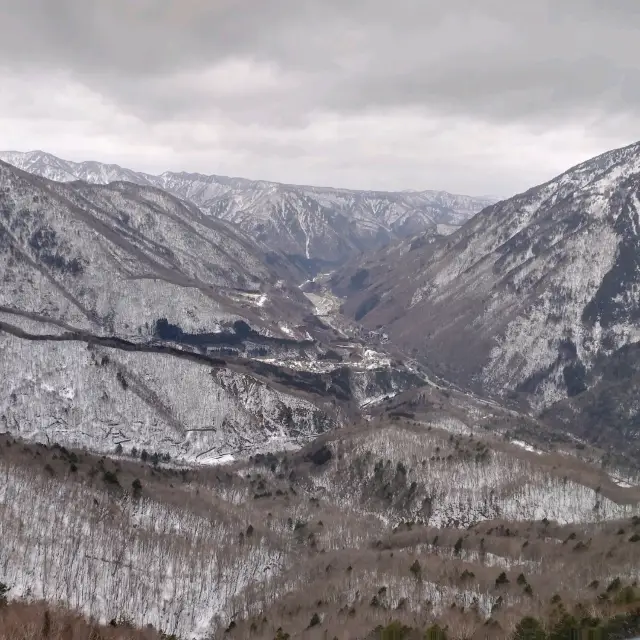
525 446
464 483
112 558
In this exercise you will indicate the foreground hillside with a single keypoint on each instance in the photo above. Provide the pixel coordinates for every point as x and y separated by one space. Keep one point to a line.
38 621
351 532
315 226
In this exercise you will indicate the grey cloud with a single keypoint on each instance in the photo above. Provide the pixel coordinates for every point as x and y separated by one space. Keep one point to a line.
497 60
467 95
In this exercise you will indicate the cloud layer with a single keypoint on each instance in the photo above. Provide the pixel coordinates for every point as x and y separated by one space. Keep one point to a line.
476 97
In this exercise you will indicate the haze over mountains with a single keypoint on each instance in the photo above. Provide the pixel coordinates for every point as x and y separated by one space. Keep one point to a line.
318 227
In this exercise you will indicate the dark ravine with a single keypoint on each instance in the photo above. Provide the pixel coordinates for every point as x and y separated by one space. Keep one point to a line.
608 407
241 333
331 385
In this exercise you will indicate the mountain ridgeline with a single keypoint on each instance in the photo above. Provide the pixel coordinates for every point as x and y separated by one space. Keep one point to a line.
316 227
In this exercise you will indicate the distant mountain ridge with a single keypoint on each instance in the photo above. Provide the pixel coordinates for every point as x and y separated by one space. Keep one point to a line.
317 226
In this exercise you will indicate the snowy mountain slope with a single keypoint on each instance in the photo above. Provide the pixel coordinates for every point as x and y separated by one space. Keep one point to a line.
527 295
87 253
319 226
129 317
83 395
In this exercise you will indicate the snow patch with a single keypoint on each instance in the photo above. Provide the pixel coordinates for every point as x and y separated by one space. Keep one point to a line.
526 447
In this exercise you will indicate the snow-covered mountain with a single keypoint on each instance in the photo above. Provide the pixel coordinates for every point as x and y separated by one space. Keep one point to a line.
318 226
526 297
134 325
128 316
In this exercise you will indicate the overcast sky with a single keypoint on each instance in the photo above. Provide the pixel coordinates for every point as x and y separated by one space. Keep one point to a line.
471 96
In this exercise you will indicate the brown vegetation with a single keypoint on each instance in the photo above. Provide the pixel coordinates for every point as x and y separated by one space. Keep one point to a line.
39 621
319 543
